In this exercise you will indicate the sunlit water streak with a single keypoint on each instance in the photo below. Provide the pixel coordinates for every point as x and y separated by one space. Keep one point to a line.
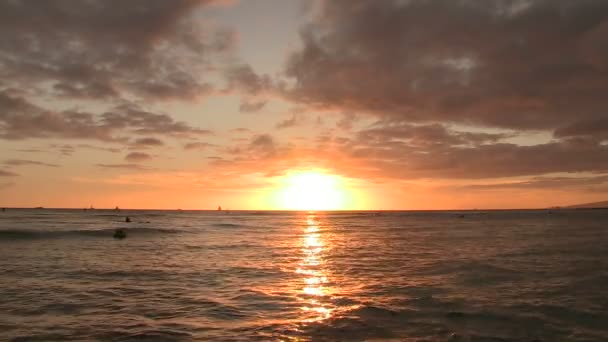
299 276
314 272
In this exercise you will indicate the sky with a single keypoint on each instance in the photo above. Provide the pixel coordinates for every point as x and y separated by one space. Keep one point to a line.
303 104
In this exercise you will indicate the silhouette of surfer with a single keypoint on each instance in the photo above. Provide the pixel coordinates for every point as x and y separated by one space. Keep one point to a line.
127 219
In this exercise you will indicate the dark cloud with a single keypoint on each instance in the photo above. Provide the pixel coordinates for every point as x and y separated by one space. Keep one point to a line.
7 174
137 157
121 166
21 162
102 49
534 64
20 119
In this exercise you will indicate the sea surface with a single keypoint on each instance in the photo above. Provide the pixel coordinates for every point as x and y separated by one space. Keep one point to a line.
304 276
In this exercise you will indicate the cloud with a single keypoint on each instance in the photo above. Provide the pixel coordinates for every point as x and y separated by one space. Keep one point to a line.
5 185
242 77
597 129
4 173
248 106
29 150
298 117
121 166
404 159
98 148
64 149
416 152
291 122
546 183
21 162
262 142
261 146
67 149
197 146
145 142
449 99
105 49
20 119
241 130
347 121
404 162
426 135
141 121
518 65
137 157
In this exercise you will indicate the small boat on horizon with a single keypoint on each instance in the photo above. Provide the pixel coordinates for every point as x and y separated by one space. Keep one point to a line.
219 208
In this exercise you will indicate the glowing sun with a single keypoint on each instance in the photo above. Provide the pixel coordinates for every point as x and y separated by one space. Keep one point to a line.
312 190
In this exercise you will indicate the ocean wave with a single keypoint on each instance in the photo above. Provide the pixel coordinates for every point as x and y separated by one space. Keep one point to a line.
418 278
226 225
234 246
473 272
149 334
22 234
362 323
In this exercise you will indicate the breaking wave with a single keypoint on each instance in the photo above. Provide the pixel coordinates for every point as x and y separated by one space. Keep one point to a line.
23 234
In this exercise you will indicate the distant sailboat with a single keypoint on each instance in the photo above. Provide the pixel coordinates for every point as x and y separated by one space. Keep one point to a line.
219 207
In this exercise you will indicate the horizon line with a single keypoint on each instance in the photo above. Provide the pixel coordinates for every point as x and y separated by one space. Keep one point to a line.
297 210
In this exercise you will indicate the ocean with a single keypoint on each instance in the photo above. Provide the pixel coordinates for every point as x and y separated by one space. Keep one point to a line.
304 276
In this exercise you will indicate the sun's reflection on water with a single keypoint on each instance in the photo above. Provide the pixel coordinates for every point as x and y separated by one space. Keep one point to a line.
315 277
